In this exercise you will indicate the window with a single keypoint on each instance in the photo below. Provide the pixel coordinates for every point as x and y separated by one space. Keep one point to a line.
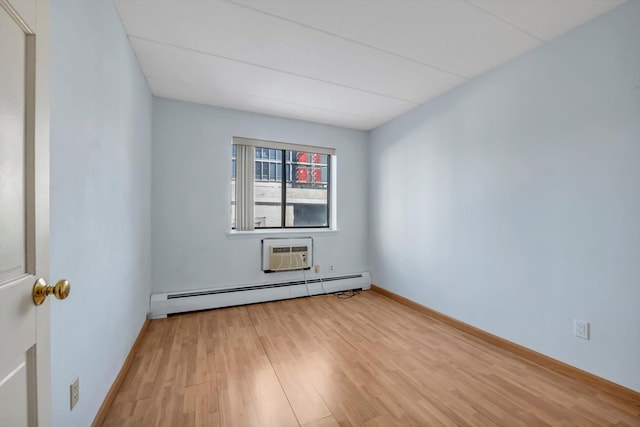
279 185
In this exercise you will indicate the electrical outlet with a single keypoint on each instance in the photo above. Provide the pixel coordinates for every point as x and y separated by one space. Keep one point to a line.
331 267
74 390
581 328
316 268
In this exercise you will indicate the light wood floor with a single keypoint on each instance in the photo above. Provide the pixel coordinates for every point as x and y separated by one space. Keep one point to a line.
324 361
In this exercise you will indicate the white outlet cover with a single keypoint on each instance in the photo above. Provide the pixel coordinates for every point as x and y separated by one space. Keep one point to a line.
581 328
74 390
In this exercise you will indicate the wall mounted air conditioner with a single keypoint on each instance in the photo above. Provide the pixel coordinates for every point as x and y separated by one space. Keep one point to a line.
286 254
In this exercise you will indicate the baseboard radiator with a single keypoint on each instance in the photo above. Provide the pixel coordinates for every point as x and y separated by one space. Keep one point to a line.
163 304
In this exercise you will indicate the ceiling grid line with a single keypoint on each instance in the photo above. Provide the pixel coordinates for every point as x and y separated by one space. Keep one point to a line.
348 63
320 30
276 100
264 67
472 3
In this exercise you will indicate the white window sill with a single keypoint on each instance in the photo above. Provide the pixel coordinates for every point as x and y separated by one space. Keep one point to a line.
258 234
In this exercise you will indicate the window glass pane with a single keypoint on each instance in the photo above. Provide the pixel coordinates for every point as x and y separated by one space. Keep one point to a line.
268 196
306 195
306 188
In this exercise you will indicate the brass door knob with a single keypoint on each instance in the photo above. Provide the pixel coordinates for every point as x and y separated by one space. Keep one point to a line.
41 291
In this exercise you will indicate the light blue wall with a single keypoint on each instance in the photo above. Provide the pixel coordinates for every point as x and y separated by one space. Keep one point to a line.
510 203
100 201
191 197
513 202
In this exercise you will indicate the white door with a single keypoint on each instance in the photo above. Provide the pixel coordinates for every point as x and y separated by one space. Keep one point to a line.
25 389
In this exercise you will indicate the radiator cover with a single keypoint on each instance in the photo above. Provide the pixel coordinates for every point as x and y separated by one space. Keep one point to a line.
162 304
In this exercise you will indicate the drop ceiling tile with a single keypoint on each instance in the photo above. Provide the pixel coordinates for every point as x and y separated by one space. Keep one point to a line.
547 19
197 93
454 36
243 34
353 63
215 73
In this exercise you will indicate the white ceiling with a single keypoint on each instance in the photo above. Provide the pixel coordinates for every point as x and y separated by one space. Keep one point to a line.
351 63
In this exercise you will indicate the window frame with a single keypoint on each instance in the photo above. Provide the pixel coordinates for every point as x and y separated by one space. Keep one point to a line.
282 165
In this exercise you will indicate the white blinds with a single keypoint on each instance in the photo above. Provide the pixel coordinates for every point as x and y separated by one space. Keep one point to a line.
245 169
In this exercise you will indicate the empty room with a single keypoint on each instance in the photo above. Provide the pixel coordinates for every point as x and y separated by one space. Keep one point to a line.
319 213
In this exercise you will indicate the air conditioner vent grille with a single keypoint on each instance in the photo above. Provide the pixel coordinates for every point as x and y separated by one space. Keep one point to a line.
287 258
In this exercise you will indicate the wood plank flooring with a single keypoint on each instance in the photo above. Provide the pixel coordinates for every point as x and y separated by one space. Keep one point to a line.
324 362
